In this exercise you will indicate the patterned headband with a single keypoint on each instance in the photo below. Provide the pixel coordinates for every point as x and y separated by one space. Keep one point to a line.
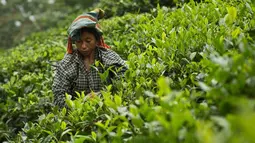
89 20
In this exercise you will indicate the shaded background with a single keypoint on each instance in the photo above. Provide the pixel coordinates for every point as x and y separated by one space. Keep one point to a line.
19 18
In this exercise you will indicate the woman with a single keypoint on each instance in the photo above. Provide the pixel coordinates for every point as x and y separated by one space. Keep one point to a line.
79 69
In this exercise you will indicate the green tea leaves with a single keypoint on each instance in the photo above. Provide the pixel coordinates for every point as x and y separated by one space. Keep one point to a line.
231 16
190 78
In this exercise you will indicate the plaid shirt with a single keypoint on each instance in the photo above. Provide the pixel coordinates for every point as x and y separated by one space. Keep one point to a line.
71 76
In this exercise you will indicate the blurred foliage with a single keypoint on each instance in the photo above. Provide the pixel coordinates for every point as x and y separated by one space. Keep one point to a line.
121 7
19 18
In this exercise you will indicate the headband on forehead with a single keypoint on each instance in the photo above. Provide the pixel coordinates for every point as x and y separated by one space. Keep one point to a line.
89 20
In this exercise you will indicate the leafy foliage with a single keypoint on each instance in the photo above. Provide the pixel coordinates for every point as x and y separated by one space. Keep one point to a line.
119 8
20 18
190 79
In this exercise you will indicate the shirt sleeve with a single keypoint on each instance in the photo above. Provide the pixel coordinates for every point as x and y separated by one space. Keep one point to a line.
112 60
61 86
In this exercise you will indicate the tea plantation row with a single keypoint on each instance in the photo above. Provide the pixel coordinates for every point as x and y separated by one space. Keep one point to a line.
190 79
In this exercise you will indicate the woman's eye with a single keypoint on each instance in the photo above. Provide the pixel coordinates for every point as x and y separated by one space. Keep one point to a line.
79 41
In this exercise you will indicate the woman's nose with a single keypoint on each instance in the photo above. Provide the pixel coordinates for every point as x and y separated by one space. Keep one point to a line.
83 45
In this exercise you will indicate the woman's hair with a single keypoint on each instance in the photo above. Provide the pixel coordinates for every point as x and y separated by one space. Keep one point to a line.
92 31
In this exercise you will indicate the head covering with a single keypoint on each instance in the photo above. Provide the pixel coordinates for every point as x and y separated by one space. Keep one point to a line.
89 20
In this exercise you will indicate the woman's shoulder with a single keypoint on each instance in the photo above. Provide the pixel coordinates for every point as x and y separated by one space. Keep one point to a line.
109 53
106 51
69 59
110 57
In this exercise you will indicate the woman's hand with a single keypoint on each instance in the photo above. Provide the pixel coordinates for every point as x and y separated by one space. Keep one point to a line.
93 94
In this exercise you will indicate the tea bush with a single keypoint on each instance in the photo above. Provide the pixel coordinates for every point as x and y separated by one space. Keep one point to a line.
190 79
119 8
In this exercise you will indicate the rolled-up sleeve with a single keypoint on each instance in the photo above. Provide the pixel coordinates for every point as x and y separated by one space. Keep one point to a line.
61 86
112 59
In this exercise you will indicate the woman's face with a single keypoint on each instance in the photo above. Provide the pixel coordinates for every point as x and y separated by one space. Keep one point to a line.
87 44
